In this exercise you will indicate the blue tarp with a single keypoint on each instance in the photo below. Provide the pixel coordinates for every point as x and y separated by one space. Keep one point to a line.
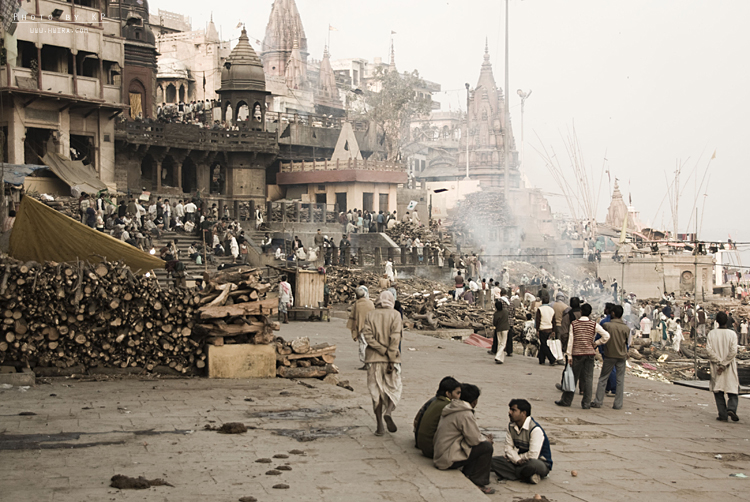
14 174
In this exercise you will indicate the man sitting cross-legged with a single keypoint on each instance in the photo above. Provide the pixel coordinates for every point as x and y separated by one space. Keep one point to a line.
528 456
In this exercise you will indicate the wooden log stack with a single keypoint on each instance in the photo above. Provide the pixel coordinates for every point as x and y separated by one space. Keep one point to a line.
232 308
64 315
298 359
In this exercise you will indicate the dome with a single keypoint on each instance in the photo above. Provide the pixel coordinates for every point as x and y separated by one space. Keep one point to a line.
243 70
171 68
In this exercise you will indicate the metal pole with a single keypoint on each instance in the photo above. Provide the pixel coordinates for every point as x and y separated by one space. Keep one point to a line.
506 126
695 302
467 130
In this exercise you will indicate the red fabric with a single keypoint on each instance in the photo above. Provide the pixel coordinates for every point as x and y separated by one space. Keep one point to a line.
479 341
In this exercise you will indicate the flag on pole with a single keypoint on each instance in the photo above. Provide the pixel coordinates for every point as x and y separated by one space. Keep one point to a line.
393 32
714 155
412 205
239 25
331 28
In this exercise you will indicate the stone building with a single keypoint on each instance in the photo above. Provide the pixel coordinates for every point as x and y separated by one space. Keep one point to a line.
61 88
139 73
224 166
189 60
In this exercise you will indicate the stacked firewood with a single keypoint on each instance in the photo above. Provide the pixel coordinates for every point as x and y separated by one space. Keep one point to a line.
482 210
411 230
64 315
232 309
298 359
69 206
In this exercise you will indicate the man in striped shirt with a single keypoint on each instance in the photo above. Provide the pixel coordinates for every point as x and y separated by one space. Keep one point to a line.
580 354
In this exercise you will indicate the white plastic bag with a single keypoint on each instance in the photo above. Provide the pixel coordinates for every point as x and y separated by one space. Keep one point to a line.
569 381
555 346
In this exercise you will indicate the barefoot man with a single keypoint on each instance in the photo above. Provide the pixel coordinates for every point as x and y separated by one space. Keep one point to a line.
382 332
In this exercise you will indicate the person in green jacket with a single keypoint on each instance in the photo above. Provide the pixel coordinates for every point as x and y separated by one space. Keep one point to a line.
426 422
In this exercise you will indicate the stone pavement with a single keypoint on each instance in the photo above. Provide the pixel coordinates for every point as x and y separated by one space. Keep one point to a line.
660 446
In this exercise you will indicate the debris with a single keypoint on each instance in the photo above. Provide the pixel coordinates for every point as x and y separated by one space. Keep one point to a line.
281 455
574 474
281 486
273 472
248 499
140 483
283 468
297 452
233 428
717 457
738 475
264 461
26 414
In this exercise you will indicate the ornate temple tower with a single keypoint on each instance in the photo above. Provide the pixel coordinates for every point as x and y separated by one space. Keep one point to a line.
327 98
283 32
485 133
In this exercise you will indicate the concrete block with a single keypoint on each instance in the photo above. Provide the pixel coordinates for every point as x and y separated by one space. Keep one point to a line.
18 379
242 361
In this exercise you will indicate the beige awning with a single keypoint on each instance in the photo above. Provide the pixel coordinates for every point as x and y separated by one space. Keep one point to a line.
42 234
80 177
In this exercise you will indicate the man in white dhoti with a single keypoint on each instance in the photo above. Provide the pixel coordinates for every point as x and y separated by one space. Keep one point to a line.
382 332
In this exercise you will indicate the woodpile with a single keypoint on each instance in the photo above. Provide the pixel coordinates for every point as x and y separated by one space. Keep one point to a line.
408 229
63 315
298 359
69 206
482 210
232 309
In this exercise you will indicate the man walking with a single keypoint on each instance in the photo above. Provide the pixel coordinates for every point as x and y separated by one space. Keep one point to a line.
356 322
286 299
544 324
580 352
615 354
382 332
528 455
722 352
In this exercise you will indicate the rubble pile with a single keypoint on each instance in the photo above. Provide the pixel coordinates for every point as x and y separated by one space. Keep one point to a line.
69 206
298 359
64 315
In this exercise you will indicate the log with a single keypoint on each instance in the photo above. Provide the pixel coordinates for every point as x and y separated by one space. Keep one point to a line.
313 353
264 307
311 372
238 274
301 345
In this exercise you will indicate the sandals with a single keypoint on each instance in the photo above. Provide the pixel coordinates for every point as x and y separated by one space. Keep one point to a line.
486 490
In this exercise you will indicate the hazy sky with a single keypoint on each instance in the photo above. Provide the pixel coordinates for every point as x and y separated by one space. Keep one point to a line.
649 82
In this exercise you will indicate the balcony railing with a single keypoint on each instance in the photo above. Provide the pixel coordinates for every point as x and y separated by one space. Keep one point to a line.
335 165
196 138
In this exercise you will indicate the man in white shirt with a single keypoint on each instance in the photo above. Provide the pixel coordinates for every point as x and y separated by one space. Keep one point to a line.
179 211
286 299
190 210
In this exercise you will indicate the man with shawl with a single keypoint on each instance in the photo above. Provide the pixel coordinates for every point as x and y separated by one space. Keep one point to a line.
722 354
356 322
382 332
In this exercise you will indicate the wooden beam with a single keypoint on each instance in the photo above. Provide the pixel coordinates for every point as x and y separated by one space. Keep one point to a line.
27 103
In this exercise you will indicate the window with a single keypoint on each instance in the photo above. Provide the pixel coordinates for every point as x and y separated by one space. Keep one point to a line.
383 202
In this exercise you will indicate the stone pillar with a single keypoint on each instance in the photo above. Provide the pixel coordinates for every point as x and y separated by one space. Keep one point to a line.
347 257
251 211
38 66
378 256
283 212
324 213
220 204
391 254
236 214
312 213
179 164
269 211
158 175
403 256
334 255
75 70
297 211
414 255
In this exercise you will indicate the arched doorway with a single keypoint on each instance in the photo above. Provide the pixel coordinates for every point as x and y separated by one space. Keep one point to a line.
189 176
168 174
137 101
218 179
243 111
148 173
159 95
182 93
171 94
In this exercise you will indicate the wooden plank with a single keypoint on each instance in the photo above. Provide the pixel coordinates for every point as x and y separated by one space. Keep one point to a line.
266 307
313 353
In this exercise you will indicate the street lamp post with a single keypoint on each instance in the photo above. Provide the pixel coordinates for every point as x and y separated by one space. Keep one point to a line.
523 96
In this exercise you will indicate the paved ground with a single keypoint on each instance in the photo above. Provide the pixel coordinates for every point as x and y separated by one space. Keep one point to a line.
660 446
